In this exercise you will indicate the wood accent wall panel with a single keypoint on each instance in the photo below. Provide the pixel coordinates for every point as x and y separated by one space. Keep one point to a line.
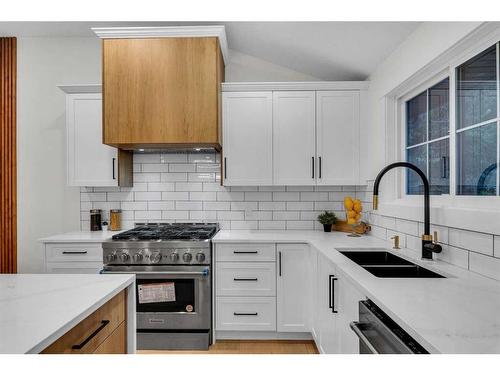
8 177
161 92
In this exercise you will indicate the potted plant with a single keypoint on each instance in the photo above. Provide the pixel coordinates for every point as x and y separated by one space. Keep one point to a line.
327 218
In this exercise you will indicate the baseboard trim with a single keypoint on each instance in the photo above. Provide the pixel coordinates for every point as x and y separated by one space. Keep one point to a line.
255 335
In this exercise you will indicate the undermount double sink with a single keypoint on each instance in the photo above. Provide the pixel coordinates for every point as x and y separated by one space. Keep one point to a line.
385 264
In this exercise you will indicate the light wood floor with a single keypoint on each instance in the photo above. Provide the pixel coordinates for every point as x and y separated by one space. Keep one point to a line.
249 347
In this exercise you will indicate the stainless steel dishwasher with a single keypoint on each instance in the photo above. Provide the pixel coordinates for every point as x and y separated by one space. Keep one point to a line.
379 334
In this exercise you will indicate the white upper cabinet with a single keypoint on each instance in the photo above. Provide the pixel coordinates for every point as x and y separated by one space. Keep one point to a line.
247 139
294 137
337 127
90 163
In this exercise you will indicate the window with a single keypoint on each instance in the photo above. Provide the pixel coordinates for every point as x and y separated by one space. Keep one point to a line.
427 139
477 124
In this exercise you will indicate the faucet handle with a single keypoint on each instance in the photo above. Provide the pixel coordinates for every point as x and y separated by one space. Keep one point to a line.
396 242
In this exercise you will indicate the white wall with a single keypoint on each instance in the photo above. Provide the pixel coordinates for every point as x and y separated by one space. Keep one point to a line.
46 205
245 68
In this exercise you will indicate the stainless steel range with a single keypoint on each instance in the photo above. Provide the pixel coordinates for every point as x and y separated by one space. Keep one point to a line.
173 266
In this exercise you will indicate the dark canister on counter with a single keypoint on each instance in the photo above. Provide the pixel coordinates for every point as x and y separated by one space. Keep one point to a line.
95 220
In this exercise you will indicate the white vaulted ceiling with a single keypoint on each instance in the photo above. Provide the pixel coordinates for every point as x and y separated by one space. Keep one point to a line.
325 50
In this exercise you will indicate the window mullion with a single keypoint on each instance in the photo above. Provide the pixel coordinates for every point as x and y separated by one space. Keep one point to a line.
498 119
452 132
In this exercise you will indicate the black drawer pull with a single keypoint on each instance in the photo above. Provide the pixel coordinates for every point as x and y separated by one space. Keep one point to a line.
74 252
104 323
245 279
245 314
331 293
245 252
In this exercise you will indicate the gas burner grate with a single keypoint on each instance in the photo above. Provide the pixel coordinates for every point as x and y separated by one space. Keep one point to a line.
169 231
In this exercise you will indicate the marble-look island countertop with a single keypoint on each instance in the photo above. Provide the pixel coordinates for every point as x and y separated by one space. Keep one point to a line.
37 309
456 314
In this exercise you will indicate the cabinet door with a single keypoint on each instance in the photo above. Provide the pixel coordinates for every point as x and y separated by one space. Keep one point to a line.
294 138
337 126
327 303
293 292
90 163
247 123
348 307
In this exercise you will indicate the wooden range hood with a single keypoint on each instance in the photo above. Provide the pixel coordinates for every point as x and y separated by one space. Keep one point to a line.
162 86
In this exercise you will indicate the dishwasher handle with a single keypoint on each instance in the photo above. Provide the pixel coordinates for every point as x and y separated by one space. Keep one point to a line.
356 327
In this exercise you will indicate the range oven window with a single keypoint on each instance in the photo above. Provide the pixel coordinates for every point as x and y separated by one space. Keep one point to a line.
184 300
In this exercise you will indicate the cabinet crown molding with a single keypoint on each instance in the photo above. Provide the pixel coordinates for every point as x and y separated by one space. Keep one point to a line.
218 31
295 86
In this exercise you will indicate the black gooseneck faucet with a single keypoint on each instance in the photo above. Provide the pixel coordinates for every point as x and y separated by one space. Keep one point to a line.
428 246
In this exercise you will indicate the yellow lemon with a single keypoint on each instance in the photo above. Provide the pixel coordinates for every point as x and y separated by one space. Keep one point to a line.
351 214
357 207
348 203
358 217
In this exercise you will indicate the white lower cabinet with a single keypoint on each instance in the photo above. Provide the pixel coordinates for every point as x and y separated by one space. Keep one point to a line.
73 257
301 292
293 288
246 314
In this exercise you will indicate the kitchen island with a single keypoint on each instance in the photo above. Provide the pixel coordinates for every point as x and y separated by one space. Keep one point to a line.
40 313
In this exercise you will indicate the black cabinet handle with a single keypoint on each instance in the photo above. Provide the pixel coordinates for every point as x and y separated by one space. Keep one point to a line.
225 168
74 252
245 252
443 172
104 323
245 279
320 167
114 160
331 293
245 314
279 262
312 166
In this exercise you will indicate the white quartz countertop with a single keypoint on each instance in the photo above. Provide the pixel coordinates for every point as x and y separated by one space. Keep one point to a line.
37 309
457 314
80 236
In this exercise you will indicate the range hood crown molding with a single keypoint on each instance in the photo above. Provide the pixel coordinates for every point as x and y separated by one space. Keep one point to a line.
218 31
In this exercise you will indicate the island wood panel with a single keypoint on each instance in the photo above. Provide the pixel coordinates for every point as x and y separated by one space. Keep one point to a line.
161 92
92 332
8 185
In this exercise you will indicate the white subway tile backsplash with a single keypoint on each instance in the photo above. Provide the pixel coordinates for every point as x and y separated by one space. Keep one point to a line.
147 215
122 196
148 196
243 225
496 246
188 186
174 177
258 196
217 206
473 241
201 177
138 186
160 205
286 215
154 168
300 188
330 206
206 168
300 206
173 196
175 215
258 215
379 232
272 225
201 158
271 188
315 196
454 255
300 225
407 226
246 206
272 206
147 177
310 215
203 196
230 196
174 157
92 197
230 215
485 265
214 186
147 158
203 215
181 168
189 205
161 186
286 196
135 206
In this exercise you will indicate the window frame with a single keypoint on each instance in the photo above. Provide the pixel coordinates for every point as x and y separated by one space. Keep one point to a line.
463 201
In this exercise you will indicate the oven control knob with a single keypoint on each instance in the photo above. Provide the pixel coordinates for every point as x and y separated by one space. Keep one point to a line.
111 257
124 257
155 257
174 257
200 257
138 257
186 257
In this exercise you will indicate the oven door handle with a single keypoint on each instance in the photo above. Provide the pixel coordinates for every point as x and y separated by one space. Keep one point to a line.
205 272
355 326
